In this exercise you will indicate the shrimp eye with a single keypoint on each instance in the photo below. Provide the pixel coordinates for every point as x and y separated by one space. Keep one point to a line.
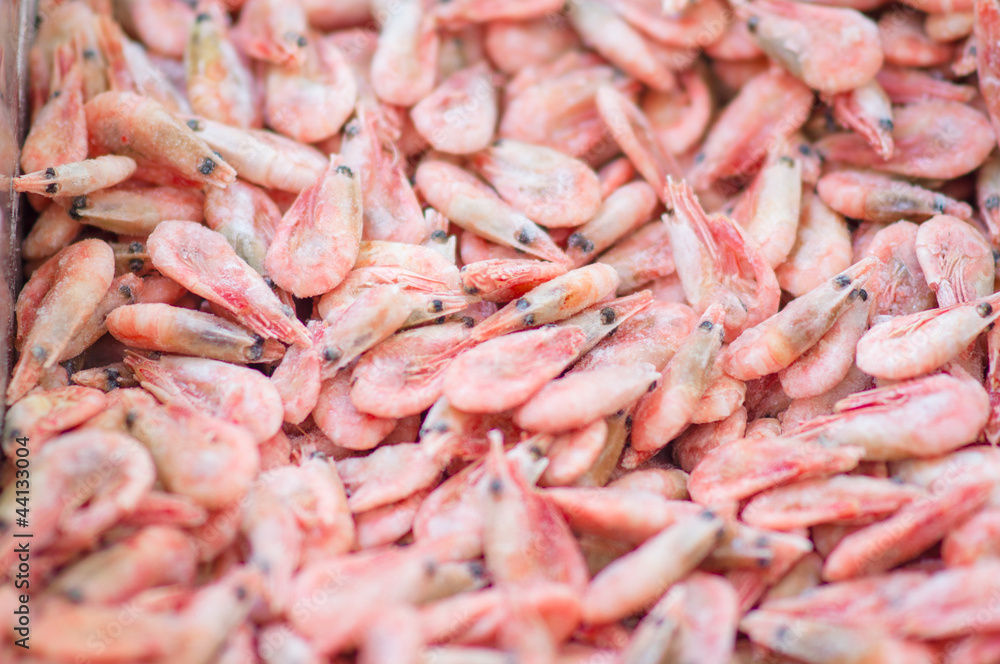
39 353
580 242
939 204
752 23
194 125
241 593
352 130
89 54
700 157
863 294
74 595
984 309
706 325
257 349
628 422
886 123
125 291
331 354
202 17
652 386
804 149
524 236
50 172
206 166
135 265
993 202
529 320
52 188
301 41
496 487
786 161
471 290
841 281
608 315
345 170
437 305
135 247
78 204
522 304
439 236
468 321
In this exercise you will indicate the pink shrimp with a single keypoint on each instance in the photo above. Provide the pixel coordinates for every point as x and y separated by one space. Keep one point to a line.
220 86
802 37
715 252
138 127
545 185
311 101
773 104
915 126
54 305
317 242
404 63
956 259
679 119
475 207
882 199
77 178
867 110
460 115
203 262
273 32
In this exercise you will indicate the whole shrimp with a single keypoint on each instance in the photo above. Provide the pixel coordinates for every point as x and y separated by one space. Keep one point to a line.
807 38
909 346
957 260
883 199
197 456
82 484
247 217
545 185
265 158
317 241
867 110
957 151
77 178
459 116
54 305
44 414
778 341
167 329
712 252
469 203
136 210
232 393
769 210
220 86
130 125
311 101
272 31
202 261
404 64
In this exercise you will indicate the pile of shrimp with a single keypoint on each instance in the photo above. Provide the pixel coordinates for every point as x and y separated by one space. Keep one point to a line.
490 331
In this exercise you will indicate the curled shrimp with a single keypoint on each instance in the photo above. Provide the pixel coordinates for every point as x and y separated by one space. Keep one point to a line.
460 115
78 178
202 458
273 31
231 393
310 102
956 259
202 261
402 375
770 207
44 414
547 186
130 125
909 346
247 217
772 104
54 305
807 38
606 32
167 329
317 241
58 135
404 63
90 480
936 122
